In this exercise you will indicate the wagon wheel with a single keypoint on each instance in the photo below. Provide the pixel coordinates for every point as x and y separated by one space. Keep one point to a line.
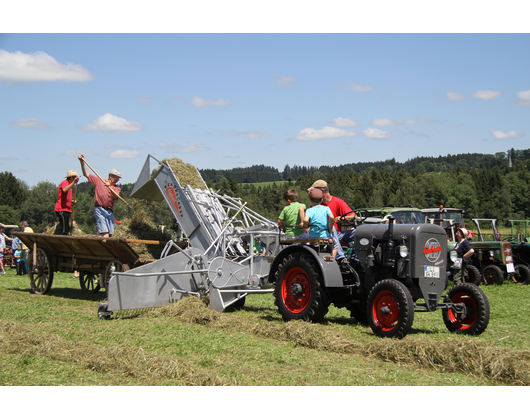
89 282
390 309
40 274
492 275
477 310
114 266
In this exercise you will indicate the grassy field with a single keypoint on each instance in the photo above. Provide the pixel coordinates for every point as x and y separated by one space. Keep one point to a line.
57 339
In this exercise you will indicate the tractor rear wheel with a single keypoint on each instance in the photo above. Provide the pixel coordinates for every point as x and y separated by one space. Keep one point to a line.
492 275
390 309
298 289
476 317
522 274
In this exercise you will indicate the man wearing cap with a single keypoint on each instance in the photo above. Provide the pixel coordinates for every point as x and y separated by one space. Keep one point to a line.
106 192
63 206
339 208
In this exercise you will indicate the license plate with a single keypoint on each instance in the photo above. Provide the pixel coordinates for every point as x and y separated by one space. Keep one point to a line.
432 272
510 268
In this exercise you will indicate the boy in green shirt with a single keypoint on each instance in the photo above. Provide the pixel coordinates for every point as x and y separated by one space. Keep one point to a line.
291 219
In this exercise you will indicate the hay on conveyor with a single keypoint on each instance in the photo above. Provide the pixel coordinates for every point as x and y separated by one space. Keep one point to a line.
186 173
138 224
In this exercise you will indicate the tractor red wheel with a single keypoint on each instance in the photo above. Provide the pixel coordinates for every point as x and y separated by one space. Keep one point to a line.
298 289
476 316
390 309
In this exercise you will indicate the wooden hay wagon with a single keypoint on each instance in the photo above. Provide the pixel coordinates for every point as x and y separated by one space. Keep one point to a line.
95 258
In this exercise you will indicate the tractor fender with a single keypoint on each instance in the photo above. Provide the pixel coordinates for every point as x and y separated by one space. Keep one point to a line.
329 269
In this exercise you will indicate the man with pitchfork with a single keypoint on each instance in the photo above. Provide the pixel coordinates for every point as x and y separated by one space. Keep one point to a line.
63 206
106 192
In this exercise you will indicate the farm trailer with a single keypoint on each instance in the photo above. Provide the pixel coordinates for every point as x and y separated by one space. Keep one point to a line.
399 269
95 258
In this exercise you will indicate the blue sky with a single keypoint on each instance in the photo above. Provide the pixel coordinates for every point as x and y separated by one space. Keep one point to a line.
219 100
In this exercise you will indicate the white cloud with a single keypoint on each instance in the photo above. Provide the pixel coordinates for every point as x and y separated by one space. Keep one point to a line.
19 67
357 87
113 124
30 123
344 122
124 154
509 135
375 133
387 122
524 98
486 94
203 103
310 134
189 148
285 81
455 96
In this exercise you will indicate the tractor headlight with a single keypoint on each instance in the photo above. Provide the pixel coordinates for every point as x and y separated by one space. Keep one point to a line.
453 256
403 251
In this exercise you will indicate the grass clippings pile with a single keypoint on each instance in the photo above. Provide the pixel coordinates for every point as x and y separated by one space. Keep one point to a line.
186 173
461 354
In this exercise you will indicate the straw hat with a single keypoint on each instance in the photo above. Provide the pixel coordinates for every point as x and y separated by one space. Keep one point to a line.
71 173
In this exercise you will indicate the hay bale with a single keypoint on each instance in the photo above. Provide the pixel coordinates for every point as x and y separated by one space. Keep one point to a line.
186 173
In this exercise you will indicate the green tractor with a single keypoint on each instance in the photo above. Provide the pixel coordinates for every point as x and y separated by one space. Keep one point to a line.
402 215
521 250
493 259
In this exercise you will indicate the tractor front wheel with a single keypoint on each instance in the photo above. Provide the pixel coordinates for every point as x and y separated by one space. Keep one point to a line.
390 309
476 316
298 289
492 275
522 274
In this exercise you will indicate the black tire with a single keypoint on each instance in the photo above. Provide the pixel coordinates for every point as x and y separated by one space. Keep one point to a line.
358 311
522 274
472 275
390 309
298 289
477 315
492 275
40 274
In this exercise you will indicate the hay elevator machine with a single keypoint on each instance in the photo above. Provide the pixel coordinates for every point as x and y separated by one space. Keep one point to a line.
218 260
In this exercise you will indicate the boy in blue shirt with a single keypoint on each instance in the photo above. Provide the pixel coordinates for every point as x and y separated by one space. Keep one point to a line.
20 261
319 219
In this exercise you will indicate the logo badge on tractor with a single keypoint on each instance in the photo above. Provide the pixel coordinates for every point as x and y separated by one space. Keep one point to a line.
432 250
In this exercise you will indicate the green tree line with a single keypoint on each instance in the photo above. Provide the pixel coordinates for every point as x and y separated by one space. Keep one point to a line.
486 186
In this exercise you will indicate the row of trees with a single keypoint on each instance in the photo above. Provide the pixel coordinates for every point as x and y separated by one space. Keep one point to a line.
486 186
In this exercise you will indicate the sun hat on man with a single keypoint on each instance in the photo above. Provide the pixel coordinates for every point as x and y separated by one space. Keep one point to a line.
71 173
320 183
115 172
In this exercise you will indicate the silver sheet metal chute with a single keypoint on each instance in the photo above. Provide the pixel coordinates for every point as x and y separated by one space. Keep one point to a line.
219 259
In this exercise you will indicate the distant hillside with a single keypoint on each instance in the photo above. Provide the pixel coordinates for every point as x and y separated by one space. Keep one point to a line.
262 173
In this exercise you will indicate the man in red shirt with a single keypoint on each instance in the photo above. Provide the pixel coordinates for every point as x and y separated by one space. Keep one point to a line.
106 192
63 206
340 209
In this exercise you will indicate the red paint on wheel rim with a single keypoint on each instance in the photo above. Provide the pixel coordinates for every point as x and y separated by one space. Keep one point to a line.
386 299
296 303
458 320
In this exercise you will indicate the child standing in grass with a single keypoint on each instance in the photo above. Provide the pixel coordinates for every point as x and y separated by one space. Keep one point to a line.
291 218
20 261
